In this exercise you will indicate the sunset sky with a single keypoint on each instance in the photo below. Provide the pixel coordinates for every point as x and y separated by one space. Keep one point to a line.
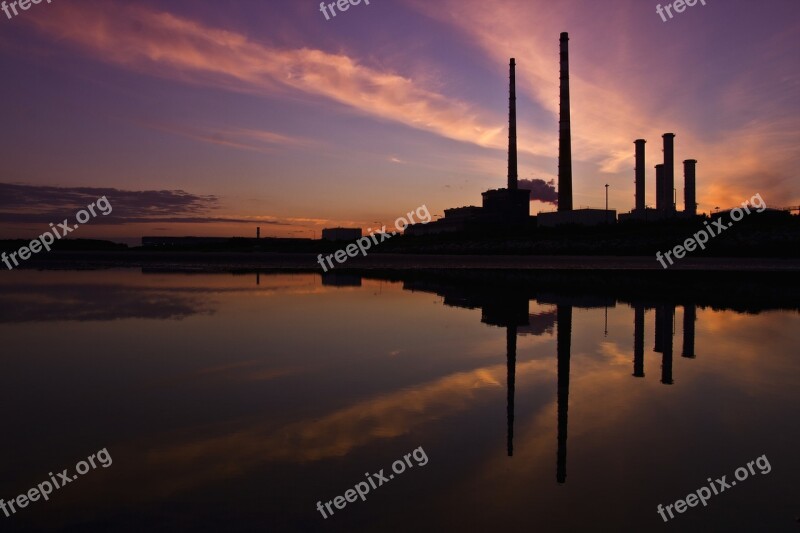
199 117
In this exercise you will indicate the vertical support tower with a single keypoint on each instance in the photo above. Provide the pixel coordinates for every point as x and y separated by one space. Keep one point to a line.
669 173
640 173
564 133
689 187
661 204
512 128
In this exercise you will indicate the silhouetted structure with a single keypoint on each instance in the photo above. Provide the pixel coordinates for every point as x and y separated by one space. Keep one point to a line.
665 186
512 126
689 187
661 199
640 174
502 209
669 174
341 234
564 132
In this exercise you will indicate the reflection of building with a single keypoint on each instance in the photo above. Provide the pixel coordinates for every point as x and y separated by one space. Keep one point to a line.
638 341
341 279
563 345
689 318
504 298
341 234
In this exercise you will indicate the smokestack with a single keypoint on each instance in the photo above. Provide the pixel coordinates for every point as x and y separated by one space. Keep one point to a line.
669 172
640 172
689 187
258 232
564 135
512 128
660 202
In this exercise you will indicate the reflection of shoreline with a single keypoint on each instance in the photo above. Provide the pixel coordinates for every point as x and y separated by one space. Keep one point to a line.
228 261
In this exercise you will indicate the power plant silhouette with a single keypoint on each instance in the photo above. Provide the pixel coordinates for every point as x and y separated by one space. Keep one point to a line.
509 208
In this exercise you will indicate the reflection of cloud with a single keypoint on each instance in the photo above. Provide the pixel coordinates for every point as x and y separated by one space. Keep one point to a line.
25 302
235 451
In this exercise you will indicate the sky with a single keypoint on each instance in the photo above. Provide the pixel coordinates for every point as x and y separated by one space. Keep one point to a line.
199 117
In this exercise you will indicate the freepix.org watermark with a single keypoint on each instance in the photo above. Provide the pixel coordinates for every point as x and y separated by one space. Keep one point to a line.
701 237
703 494
24 5
365 243
46 239
678 5
45 488
362 488
342 5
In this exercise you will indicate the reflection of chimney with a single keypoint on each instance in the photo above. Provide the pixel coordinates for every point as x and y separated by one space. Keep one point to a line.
563 342
511 366
640 171
664 321
669 171
660 202
689 187
689 317
512 129
564 135
638 341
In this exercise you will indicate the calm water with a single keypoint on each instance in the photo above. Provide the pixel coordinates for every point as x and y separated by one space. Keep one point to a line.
237 402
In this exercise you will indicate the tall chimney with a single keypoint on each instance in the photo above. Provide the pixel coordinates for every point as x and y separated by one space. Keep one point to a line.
564 135
689 187
640 172
512 128
660 201
669 172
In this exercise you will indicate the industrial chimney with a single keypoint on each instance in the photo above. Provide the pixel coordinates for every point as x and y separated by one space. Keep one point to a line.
669 172
564 135
640 173
689 187
660 201
512 129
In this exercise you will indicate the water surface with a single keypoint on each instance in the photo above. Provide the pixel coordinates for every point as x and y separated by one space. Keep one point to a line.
237 402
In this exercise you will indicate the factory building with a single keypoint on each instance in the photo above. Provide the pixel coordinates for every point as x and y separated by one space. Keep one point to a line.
341 234
509 208
666 194
502 209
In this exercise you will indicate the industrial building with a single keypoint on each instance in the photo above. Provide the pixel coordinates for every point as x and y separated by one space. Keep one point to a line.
509 208
502 209
666 194
341 234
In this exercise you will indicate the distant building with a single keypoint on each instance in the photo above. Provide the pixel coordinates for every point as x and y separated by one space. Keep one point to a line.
182 242
582 217
341 234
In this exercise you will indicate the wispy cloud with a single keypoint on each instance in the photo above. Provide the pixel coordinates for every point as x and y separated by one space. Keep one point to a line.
166 45
44 204
239 138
